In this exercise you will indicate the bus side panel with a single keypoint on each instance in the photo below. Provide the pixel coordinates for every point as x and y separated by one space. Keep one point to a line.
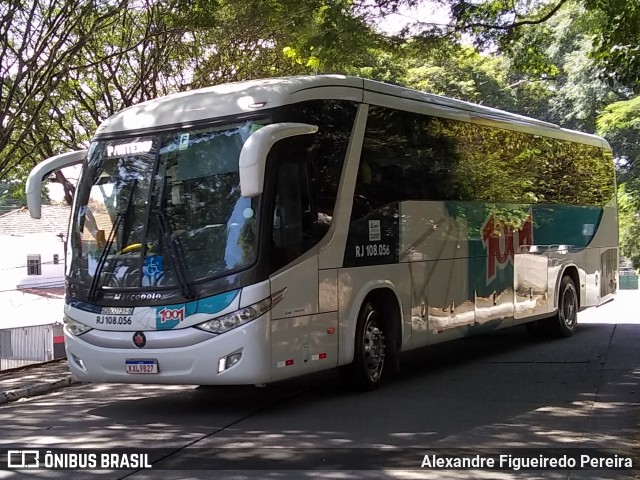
302 339
494 233
574 235
609 262
593 277
451 302
442 308
303 344
531 283
419 304
559 261
436 243
601 267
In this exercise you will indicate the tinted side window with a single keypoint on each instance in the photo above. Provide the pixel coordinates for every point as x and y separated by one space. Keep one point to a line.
303 177
407 156
498 165
327 148
573 173
293 216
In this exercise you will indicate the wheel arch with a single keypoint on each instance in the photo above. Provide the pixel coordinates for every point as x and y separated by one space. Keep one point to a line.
382 295
572 272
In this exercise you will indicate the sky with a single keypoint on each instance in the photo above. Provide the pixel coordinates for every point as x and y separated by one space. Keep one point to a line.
428 11
56 192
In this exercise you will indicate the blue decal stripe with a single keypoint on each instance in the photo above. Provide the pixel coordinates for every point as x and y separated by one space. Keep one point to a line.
217 303
170 316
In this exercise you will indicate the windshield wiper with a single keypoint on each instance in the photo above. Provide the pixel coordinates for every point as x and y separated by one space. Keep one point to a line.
109 242
174 255
166 233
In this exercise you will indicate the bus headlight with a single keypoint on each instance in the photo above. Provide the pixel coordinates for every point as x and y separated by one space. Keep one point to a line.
73 327
237 318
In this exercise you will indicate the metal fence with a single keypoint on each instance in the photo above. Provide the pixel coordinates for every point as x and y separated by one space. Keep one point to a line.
28 345
628 279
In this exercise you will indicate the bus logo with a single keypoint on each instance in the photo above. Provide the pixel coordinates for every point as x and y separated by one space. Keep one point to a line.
23 459
169 314
169 318
139 340
502 241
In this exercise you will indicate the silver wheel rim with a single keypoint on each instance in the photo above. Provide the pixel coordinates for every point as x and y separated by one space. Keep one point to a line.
373 348
569 308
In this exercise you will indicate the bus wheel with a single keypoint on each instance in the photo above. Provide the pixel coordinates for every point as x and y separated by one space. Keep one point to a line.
564 323
365 373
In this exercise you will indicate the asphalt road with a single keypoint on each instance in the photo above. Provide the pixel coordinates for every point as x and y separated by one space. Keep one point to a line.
484 394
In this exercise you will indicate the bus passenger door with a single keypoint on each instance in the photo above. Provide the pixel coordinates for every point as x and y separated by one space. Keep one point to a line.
302 339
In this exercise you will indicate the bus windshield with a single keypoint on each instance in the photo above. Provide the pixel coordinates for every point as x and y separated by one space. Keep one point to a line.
162 211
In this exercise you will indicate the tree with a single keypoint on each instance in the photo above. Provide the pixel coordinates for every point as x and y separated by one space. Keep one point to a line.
620 123
64 70
282 37
614 24
617 44
629 220
460 72
40 42
55 55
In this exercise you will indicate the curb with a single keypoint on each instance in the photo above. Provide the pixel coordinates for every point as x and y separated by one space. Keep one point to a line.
32 366
35 389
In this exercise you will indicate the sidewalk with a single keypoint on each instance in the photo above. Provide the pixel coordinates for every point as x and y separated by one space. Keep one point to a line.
34 380
28 309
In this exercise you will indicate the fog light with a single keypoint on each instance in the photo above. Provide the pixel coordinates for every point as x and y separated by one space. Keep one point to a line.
233 359
229 361
78 362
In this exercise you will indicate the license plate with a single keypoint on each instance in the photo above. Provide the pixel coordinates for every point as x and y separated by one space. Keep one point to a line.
141 367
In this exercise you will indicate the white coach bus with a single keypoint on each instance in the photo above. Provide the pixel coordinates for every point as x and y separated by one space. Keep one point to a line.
256 231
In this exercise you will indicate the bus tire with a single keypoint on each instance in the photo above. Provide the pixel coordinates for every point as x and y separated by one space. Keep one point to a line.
365 372
564 322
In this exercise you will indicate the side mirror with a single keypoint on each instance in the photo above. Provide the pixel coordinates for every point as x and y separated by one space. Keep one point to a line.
253 155
44 169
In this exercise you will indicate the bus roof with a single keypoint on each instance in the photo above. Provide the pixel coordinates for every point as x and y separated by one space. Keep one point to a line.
195 106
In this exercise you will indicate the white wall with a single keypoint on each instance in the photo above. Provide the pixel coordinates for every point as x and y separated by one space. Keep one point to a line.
13 260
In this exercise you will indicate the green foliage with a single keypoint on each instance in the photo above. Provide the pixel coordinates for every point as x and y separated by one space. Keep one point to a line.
281 37
612 28
462 73
620 124
617 44
78 63
629 220
613 24
12 193
104 57
619 116
496 22
379 64
544 59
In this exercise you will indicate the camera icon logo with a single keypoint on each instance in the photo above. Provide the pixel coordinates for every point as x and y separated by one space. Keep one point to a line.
21 459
